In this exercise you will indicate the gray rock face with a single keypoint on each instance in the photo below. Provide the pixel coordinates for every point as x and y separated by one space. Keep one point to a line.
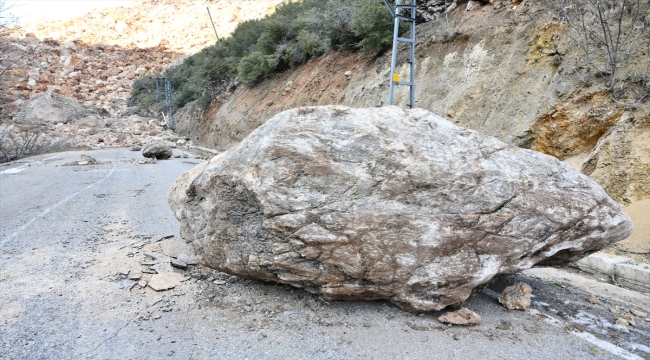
51 108
387 204
158 150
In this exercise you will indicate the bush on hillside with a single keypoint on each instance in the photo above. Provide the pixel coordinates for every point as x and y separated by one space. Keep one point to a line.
294 33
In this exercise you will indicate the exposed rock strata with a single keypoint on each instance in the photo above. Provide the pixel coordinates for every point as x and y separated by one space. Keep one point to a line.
388 204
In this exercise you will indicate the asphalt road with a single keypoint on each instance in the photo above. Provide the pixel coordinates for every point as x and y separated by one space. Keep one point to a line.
71 238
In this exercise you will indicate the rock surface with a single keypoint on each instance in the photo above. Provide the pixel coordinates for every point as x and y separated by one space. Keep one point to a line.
463 316
516 297
158 150
162 282
388 204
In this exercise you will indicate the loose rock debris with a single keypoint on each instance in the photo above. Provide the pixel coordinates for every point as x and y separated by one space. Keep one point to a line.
516 297
463 316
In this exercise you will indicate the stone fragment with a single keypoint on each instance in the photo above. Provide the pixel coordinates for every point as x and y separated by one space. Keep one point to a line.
516 297
147 161
153 255
615 310
621 321
158 150
135 148
189 260
178 264
219 282
135 275
638 313
463 316
593 300
628 319
87 159
166 281
386 203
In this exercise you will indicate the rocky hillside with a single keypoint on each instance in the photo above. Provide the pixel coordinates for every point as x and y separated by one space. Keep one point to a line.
506 69
180 26
92 60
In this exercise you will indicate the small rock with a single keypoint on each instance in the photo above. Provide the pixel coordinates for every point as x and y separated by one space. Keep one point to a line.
219 282
82 162
135 148
638 313
178 264
210 279
516 297
463 316
88 159
185 156
621 321
147 161
161 282
124 272
615 310
186 259
142 283
629 319
177 156
248 308
149 271
134 275
593 300
153 255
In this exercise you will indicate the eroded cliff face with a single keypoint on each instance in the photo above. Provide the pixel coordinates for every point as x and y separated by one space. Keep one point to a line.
509 73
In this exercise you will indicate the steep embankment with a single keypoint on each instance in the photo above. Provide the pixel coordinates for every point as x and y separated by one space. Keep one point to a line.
507 72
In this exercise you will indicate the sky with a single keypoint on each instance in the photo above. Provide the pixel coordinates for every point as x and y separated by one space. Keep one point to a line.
28 10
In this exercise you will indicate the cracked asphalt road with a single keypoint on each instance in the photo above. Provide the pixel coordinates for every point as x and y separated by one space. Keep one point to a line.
72 238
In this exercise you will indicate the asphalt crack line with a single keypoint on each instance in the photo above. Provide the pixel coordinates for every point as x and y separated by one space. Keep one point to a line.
112 336
48 210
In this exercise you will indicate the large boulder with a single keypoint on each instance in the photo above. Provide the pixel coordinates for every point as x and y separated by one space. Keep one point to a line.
388 204
52 108
159 150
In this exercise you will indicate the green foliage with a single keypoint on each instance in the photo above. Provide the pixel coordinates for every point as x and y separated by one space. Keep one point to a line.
253 67
297 31
375 28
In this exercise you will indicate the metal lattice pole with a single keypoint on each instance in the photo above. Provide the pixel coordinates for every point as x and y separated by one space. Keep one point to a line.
170 105
395 80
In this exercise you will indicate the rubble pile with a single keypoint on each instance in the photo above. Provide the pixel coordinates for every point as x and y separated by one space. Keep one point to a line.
96 75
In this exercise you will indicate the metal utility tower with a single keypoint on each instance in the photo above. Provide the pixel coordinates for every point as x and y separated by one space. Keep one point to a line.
403 12
171 123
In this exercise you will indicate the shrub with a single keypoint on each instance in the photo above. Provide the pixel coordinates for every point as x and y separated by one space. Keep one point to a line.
295 32
253 67
374 28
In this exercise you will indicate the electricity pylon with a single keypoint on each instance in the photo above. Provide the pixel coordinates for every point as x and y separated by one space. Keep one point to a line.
403 12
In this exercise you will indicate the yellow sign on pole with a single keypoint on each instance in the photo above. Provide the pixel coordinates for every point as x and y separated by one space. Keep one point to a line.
396 77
